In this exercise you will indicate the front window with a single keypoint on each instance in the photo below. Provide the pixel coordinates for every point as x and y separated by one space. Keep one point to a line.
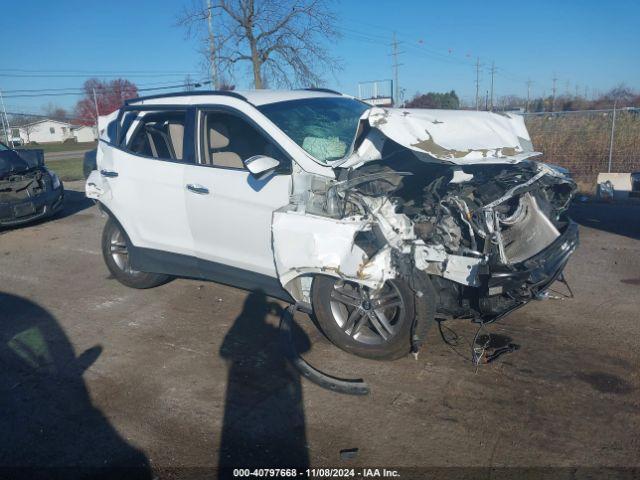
324 127
3 147
229 140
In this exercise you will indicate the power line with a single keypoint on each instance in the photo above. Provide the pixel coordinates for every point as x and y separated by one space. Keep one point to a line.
107 89
84 75
65 89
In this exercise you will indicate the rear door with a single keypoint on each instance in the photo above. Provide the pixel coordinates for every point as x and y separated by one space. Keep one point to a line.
229 210
145 170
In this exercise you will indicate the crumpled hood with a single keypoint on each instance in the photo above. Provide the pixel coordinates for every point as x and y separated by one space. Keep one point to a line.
11 163
443 136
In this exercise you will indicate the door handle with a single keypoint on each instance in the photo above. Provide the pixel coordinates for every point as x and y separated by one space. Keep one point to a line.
199 189
108 173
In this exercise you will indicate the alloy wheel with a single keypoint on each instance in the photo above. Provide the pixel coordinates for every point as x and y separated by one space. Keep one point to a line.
369 317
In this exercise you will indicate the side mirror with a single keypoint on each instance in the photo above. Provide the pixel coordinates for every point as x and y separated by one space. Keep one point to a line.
261 166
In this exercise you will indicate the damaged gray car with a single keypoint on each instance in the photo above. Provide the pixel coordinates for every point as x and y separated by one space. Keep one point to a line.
29 191
377 221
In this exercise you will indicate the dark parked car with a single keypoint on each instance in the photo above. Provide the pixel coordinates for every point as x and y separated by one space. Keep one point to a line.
635 185
28 190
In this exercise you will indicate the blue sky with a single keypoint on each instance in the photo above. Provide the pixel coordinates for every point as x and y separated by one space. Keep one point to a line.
588 43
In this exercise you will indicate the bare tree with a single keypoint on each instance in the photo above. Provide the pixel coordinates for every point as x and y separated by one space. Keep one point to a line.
55 112
281 40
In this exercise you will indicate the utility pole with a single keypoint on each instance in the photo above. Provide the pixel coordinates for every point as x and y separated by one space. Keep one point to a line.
613 131
553 95
493 72
478 83
5 123
528 95
395 53
95 103
212 47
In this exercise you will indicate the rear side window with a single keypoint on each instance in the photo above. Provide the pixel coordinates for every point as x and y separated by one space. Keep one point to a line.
155 134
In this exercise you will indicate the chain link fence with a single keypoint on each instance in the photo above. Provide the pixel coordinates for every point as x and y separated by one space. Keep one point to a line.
588 142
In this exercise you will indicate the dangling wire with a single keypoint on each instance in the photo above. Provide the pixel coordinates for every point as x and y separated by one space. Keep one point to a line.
478 352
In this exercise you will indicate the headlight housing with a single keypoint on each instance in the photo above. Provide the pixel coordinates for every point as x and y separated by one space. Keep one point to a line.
55 180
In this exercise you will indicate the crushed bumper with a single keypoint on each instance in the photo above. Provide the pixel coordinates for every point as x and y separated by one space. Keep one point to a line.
505 289
29 210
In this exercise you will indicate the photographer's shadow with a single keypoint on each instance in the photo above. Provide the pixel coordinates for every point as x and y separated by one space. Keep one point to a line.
47 419
264 424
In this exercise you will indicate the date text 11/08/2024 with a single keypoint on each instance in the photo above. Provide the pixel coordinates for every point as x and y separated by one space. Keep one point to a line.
316 473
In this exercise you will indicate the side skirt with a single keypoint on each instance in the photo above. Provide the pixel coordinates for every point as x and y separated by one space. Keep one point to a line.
175 264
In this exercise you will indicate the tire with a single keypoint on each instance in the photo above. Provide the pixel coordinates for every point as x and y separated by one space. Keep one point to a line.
344 314
115 245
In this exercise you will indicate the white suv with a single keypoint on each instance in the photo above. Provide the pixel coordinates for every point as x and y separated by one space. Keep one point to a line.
379 221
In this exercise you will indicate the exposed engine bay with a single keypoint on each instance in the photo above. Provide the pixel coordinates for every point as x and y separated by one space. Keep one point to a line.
28 190
487 235
22 186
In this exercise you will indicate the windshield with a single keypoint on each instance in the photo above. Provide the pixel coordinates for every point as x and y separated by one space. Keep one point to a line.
323 127
3 147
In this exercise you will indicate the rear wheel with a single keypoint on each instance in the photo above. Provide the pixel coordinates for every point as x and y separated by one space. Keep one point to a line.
115 250
367 323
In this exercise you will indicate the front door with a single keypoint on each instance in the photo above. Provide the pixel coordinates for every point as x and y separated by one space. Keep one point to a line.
229 210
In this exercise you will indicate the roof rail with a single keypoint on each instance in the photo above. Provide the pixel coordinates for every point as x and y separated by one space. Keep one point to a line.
325 90
227 93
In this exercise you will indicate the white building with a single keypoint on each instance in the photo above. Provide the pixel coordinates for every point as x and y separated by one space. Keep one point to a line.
51 131
84 133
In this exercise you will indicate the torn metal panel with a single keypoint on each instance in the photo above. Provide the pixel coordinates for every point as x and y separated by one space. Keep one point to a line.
304 243
527 232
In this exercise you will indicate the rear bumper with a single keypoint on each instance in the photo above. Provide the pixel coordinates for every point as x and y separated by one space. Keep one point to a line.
507 288
24 211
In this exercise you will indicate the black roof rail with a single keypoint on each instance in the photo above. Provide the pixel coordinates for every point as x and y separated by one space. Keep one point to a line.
227 93
325 90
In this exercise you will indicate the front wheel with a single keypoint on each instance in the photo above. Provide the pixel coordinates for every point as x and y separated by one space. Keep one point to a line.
115 250
367 323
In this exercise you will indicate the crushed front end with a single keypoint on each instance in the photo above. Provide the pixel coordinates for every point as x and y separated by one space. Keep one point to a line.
28 190
476 233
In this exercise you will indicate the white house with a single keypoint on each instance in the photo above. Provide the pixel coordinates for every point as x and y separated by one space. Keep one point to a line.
52 131
84 133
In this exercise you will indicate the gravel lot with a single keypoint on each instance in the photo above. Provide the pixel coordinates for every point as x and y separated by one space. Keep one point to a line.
190 374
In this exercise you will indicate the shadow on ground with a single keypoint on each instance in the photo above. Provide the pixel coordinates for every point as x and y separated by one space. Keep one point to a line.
264 423
74 202
47 421
618 218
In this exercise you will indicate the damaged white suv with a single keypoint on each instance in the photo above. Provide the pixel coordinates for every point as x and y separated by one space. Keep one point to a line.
378 221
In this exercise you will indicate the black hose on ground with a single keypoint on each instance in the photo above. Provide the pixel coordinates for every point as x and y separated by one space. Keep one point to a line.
425 307
338 385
